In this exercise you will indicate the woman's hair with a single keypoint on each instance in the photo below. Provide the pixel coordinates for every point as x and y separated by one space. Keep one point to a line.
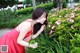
36 14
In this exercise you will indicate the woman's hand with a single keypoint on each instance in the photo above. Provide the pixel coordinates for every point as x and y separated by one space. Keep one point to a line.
34 45
42 28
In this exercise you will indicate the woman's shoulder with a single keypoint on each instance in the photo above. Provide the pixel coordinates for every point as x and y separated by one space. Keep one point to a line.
27 20
25 23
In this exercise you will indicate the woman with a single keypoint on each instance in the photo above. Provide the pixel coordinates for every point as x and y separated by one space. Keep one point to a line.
14 40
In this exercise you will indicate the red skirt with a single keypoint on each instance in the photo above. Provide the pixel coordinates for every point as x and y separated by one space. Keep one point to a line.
9 39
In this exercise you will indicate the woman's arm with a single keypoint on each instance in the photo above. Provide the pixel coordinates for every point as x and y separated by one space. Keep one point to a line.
23 30
38 33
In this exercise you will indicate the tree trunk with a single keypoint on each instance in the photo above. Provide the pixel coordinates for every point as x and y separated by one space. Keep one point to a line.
59 4
34 4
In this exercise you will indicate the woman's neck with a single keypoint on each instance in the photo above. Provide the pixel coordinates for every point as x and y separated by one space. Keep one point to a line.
34 22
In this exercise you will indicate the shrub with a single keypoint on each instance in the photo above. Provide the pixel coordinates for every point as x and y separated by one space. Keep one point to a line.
25 10
64 38
9 19
46 6
7 15
29 10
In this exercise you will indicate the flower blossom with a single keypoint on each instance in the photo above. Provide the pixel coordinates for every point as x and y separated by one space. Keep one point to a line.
58 22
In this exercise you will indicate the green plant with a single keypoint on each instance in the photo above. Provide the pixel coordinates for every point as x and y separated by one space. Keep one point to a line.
9 19
25 11
66 35
75 50
29 10
7 15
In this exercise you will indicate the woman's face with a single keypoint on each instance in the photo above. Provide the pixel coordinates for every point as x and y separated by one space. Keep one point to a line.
42 18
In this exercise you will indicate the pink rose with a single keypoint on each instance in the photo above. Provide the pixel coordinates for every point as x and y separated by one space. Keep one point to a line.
72 16
58 22
76 7
53 27
71 20
72 26
51 31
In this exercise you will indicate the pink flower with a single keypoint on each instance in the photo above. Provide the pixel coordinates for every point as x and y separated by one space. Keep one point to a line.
76 8
72 26
58 22
53 27
52 31
71 20
72 16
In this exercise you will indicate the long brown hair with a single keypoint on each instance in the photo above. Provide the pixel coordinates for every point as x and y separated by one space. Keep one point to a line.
36 14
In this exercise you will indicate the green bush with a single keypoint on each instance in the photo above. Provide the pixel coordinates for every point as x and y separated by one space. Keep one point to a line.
29 10
6 19
25 10
67 32
66 36
9 19
7 15
46 6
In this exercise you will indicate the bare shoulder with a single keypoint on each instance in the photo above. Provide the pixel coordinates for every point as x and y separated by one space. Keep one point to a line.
24 25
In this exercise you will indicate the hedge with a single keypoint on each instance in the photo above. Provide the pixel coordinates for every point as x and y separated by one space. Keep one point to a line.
29 10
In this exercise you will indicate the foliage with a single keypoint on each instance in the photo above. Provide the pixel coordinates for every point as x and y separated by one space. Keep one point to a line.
29 10
65 37
9 19
7 15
